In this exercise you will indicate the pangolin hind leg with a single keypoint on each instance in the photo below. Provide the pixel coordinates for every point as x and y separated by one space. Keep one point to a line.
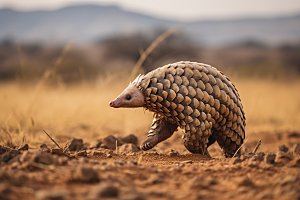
229 143
198 142
160 130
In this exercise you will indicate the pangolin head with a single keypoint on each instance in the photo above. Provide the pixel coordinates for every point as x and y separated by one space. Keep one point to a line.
133 95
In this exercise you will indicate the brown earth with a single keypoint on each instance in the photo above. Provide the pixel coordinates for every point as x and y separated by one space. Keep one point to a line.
93 172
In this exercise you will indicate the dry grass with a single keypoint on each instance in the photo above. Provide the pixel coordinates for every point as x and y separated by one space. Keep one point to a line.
82 111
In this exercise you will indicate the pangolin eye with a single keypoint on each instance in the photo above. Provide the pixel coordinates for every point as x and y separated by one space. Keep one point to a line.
128 97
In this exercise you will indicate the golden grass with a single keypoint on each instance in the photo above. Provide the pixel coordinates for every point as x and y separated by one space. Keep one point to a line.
82 111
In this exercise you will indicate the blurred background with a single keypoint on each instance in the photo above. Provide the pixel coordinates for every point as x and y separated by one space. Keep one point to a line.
62 61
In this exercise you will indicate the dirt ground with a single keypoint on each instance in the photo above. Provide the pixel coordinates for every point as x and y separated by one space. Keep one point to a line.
93 168
99 170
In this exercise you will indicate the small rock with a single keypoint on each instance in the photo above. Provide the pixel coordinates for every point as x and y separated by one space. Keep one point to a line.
39 157
85 174
108 155
43 146
74 145
260 156
296 149
283 148
109 142
44 158
130 139
106 190
57 151
24 147
95 144
247 182
269 158
187 173
128 148
283 157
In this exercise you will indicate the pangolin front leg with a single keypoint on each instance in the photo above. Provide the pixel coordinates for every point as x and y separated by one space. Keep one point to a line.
160 130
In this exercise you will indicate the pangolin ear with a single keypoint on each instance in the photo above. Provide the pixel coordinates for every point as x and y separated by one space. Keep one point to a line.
144 82
136 80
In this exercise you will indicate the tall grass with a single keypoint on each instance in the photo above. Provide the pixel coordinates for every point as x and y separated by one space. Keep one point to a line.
82 111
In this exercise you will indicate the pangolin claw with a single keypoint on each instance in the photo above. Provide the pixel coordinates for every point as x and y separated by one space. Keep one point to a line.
146 146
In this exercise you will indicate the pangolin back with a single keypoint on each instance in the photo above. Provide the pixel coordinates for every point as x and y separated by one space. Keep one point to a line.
201 100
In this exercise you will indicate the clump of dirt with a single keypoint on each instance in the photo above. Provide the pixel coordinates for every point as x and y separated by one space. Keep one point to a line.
115 168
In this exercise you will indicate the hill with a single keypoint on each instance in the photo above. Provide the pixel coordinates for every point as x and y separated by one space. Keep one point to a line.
87 23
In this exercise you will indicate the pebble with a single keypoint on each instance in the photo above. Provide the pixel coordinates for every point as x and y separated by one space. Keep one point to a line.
95 144
39 157
24 147
127 148
74 144
283 148
269 158
283 157
130 139
245 181
55 151
108 155
43 146
109 142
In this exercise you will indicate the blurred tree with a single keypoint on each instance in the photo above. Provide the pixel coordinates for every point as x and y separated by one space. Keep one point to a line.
290 55
175 48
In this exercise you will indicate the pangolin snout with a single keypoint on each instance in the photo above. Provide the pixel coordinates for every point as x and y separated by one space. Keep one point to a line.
113 104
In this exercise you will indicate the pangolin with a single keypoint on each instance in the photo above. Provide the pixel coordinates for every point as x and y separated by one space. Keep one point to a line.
193 96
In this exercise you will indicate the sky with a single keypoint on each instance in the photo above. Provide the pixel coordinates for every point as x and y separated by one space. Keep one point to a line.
182 10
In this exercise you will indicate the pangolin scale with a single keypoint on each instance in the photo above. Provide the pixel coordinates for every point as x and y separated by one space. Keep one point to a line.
197 98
